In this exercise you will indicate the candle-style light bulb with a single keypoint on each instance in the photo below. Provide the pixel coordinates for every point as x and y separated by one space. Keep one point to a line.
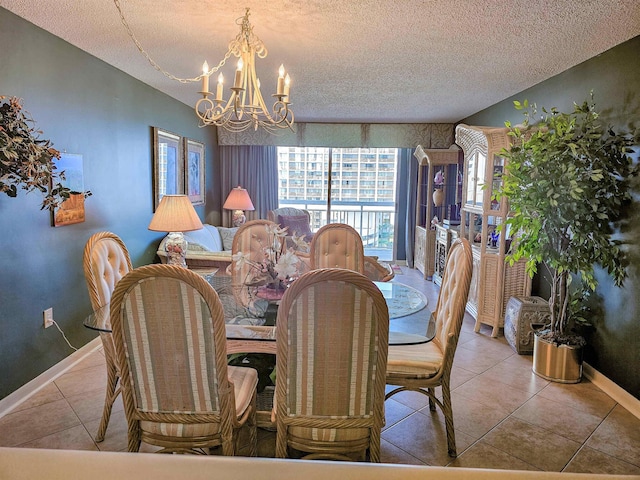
238 79
205 76
219 87
287 83
280 86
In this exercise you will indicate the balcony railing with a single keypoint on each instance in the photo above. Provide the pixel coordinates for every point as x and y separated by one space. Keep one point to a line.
374 221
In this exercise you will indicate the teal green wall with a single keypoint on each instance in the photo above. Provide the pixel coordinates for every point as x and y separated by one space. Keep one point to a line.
614 77
83 106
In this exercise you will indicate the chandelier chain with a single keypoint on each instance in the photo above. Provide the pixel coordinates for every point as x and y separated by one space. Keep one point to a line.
154 64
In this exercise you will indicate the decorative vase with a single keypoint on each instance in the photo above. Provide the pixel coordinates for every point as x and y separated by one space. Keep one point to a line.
557 363
438 197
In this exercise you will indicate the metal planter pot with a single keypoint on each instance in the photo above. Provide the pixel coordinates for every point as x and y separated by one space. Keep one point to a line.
557 363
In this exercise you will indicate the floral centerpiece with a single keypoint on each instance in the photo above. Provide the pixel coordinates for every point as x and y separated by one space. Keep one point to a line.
278 264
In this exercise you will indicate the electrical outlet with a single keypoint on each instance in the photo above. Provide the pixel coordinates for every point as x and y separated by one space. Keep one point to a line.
48 317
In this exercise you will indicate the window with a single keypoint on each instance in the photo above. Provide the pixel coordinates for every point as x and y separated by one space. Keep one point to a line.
363 190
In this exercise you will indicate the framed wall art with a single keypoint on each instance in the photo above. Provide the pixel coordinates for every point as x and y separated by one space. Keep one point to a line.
168 165
194 171
72 209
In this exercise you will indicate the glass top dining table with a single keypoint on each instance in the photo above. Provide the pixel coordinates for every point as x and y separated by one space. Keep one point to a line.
247 332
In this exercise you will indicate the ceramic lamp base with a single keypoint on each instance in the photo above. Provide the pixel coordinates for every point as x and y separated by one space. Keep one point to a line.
176 248
238 218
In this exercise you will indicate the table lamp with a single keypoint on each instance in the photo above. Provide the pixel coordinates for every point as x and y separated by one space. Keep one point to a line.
175 215
238 200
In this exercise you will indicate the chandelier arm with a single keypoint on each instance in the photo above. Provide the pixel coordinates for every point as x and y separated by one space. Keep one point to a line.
154 64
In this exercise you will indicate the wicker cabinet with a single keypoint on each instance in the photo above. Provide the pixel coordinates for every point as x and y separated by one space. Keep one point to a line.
445 236
439 191
493 281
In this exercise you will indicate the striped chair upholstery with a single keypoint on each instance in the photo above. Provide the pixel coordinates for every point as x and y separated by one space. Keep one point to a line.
170 338
423 367
337 245
105 261
332 341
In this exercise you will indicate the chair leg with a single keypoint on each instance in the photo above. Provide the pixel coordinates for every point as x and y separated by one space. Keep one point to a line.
134 436
112 388
374 445
448 418
253 428
281 442
432 404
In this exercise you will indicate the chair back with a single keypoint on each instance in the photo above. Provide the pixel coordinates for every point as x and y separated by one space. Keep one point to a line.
452 300
105 261
332 342
272 215
337 245
170 338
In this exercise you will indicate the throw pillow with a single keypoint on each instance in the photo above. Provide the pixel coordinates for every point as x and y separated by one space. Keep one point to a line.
206 239
296 225
227 235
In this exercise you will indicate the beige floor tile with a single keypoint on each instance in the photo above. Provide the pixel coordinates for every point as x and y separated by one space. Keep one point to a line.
516 374
82 381
582 396
389 453
37 422
588 460
504 398
475 360
483 455
473 418
618 436
74 438
115 440
541 448
558 417
93 360
49 393
89 406
413 400
425 438
394 412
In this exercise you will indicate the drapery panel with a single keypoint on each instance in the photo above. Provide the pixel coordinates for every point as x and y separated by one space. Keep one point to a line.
254 168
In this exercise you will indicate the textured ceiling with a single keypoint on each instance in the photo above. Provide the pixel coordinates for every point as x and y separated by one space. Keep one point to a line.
378 61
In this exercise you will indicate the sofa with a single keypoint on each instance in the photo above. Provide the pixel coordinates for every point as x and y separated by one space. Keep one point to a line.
206 248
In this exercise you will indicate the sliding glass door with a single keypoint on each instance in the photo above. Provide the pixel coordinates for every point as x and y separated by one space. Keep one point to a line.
356 186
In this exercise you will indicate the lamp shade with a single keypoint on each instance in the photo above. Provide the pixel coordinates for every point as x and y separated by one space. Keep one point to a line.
238 199
175 214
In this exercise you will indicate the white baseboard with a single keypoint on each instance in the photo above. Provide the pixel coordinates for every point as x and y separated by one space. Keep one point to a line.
616 392
14 399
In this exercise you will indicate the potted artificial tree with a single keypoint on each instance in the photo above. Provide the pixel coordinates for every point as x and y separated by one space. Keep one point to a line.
567 180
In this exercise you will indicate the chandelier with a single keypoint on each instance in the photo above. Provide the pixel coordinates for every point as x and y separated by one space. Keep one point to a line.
245 107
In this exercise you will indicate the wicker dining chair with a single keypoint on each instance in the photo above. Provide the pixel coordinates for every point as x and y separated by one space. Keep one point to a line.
105 261
330 372
423 367
376 271
337 245
170 338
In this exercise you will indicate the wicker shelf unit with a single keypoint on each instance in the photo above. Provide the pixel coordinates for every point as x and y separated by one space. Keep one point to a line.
494 281
431 161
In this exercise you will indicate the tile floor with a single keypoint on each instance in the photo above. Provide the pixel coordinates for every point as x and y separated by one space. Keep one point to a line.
505 417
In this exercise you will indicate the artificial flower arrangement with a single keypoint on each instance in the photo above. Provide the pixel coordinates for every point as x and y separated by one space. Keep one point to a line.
279 264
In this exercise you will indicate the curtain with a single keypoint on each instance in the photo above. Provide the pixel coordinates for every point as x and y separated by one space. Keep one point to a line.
406 199
254 168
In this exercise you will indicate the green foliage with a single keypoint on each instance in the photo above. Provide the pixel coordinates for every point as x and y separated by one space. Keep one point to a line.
567 180
26 161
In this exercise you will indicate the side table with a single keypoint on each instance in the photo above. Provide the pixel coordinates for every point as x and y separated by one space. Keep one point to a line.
523 316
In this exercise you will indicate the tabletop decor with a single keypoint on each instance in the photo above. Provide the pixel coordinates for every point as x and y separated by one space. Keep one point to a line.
278 266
